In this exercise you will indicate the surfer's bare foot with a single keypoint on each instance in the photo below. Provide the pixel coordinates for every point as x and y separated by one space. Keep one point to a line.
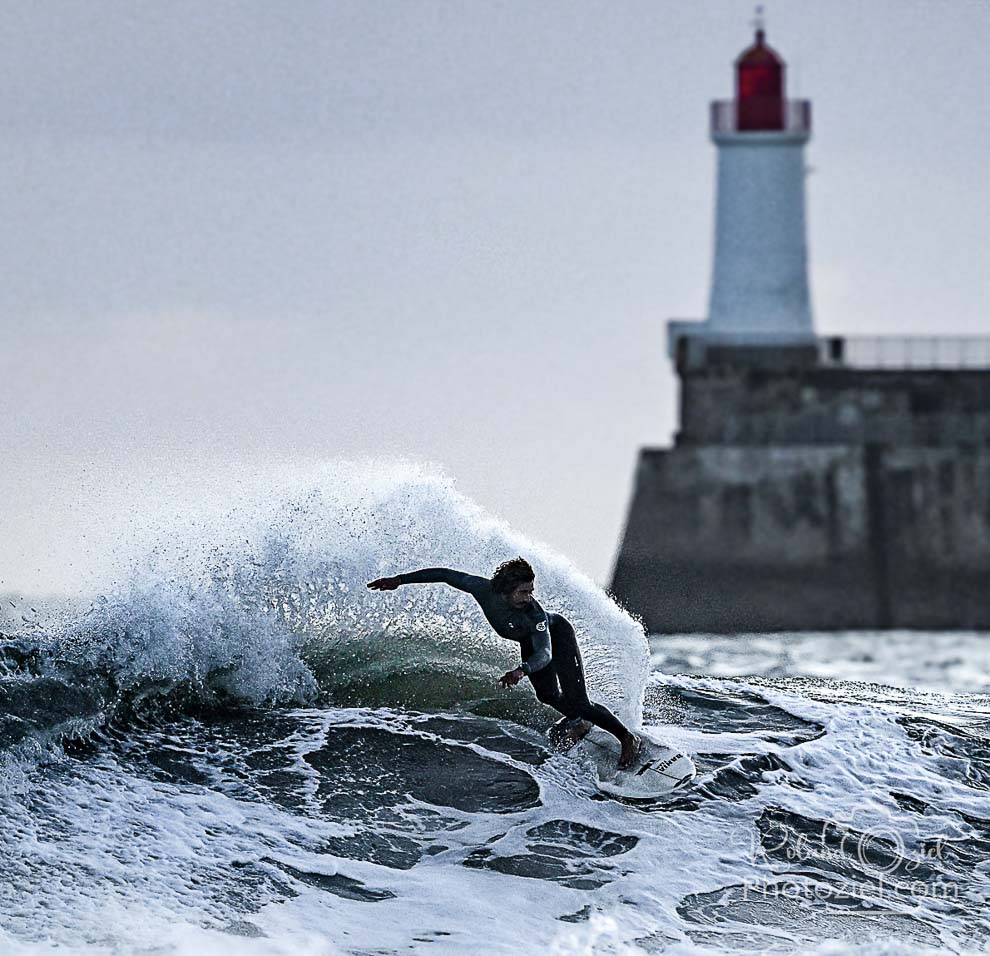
579 731
630 747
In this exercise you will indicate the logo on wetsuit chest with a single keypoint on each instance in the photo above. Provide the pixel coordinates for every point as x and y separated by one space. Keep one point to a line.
542 626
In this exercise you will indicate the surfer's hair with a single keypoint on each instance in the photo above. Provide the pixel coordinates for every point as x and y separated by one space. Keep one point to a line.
510 574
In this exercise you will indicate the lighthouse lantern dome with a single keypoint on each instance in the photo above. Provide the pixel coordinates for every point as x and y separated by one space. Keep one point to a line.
760 95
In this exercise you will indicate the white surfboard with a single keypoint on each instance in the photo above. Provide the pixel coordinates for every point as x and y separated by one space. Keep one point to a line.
656 771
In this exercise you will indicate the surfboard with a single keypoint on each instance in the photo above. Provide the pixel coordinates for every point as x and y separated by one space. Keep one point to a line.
656 771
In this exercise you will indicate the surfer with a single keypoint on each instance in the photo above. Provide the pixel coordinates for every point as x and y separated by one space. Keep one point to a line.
551 658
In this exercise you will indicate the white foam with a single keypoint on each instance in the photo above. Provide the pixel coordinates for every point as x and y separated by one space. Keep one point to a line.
957 661
134 858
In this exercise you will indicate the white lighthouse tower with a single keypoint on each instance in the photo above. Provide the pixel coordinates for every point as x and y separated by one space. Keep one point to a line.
759 293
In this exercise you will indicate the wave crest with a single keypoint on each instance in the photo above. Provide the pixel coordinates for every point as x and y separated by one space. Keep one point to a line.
266 604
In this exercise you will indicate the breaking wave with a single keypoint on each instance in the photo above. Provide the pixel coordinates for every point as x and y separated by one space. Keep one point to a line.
265 604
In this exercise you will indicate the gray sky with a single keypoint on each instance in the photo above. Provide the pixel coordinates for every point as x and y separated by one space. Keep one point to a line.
243 233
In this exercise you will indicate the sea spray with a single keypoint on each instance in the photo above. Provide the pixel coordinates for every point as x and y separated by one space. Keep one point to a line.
264 604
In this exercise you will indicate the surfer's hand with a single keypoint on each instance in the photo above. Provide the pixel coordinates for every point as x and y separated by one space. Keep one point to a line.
511 678
385 584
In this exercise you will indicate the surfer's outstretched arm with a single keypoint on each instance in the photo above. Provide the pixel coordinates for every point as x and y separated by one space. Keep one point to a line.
456 579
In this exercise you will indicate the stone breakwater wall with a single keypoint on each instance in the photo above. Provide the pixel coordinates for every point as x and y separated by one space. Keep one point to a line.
879 518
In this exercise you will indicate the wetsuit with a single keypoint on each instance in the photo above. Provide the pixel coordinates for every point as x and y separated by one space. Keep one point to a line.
550 654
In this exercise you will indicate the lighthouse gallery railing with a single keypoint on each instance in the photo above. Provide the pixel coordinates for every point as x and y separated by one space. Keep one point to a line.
796 117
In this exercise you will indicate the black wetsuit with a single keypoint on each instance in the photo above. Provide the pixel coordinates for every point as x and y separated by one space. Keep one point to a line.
550 654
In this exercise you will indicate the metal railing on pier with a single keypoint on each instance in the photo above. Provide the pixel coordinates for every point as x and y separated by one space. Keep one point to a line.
691 345
906 351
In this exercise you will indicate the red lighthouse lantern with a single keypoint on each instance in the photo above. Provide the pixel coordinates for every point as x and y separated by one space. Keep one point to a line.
759 88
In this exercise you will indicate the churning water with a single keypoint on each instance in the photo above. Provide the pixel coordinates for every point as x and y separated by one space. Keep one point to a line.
239 749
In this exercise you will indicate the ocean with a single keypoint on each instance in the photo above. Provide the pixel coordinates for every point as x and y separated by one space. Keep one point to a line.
235 747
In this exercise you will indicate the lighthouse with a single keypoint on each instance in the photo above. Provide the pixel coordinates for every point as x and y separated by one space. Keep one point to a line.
759 290
815 482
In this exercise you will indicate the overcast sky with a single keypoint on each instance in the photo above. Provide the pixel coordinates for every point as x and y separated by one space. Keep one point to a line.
251 233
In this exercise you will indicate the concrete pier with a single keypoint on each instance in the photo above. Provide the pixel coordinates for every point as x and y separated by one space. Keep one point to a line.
810 495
